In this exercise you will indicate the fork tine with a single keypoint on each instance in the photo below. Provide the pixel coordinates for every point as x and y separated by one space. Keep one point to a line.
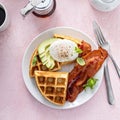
100 32
99 39
97 34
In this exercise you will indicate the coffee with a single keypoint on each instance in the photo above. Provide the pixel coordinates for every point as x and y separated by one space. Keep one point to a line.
4 20
2 16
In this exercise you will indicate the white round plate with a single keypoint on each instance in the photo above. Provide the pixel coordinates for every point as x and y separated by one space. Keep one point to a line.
30 82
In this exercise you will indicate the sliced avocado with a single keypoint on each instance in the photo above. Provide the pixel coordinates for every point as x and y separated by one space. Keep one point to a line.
45 62
44 53
42 47
48 65
44 59
50 62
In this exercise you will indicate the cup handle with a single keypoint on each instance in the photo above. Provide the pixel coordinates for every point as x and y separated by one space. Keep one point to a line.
24 11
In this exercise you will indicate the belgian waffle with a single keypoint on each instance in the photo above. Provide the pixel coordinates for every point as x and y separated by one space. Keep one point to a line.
39 66
52 85
77 41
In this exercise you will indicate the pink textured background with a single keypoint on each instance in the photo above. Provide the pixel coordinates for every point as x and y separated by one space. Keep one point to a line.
16 103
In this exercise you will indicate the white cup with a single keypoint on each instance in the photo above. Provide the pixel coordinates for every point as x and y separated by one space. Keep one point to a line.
108 1
105 5
4 21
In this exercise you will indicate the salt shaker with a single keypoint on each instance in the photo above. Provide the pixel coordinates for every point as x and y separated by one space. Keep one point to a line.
40 8
105 5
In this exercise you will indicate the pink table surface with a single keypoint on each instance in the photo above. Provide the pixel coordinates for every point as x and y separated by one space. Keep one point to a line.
16 103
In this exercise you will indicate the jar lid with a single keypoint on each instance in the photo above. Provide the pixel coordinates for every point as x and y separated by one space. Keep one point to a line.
41 4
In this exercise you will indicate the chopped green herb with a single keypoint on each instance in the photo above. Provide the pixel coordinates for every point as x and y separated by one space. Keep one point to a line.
81 61
34 61
78 50
90 83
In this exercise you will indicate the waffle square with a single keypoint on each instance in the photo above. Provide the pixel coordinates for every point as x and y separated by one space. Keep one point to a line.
52 85
39 66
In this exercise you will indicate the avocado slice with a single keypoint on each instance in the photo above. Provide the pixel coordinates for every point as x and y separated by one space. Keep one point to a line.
42 55
45 62
44 59
45 44
43 51
50 64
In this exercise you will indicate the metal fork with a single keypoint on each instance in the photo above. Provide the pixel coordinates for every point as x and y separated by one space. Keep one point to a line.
104 44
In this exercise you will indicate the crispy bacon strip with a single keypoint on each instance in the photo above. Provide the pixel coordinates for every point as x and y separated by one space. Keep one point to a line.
85 47
80 74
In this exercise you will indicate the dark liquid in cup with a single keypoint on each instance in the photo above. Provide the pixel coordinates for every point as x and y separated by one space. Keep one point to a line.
2 16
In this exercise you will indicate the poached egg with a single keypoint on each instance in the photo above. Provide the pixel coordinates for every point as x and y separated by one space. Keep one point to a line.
63 50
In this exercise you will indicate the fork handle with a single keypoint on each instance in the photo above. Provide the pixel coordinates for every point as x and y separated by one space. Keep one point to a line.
115 64
110 94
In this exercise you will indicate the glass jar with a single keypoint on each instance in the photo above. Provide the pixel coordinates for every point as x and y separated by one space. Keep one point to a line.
40 8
